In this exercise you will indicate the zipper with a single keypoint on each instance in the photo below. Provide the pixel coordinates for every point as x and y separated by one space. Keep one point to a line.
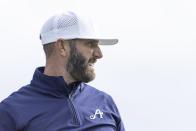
73 110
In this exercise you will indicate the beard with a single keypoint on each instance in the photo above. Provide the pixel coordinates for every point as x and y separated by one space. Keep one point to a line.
79 67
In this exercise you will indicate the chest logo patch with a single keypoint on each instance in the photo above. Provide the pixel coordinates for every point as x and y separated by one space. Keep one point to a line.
98 113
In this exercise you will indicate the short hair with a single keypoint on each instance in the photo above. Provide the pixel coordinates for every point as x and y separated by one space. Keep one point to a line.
72 43
48 49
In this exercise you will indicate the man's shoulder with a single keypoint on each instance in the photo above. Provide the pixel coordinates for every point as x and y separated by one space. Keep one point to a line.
16 96
101 98
95 90
96 93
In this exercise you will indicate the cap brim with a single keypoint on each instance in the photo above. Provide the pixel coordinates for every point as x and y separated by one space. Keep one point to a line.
102 41
108 41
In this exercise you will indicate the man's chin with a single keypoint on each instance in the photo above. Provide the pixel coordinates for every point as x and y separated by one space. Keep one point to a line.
90 76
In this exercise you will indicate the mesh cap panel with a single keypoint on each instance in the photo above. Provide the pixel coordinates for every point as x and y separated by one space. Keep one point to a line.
64 21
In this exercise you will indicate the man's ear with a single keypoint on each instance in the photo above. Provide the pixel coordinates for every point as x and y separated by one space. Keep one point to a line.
62 47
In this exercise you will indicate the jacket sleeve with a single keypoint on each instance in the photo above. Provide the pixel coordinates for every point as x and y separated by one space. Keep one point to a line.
117 116
6 120
120 126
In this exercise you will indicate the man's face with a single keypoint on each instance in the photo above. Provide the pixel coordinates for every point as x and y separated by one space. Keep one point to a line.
83 55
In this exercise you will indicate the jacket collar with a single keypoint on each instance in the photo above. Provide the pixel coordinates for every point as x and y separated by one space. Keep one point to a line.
54 85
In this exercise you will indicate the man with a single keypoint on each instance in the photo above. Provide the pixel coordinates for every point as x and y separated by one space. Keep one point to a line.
58 98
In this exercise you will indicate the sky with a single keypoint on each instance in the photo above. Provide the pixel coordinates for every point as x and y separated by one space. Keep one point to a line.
150 73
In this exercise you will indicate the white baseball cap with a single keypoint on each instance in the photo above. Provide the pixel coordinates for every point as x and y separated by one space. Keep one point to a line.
70 25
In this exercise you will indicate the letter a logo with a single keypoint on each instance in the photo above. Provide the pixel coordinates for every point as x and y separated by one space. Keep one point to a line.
97 112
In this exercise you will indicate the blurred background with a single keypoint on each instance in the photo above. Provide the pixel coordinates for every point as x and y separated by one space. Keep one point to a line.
151 73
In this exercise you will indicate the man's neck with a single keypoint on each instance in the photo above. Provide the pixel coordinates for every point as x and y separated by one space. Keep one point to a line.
54 70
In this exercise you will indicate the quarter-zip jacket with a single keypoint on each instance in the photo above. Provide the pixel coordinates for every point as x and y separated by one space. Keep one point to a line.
49 104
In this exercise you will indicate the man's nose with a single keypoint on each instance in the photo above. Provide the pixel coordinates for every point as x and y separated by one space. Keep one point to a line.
97 53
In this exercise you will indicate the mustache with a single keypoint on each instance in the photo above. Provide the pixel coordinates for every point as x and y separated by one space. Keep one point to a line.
92 60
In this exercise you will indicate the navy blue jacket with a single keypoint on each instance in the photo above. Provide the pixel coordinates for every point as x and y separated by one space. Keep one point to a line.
49 104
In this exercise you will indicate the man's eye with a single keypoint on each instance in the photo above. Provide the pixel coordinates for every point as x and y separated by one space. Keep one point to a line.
90 44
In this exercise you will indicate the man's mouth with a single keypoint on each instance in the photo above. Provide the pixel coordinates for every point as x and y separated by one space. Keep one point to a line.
91 64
